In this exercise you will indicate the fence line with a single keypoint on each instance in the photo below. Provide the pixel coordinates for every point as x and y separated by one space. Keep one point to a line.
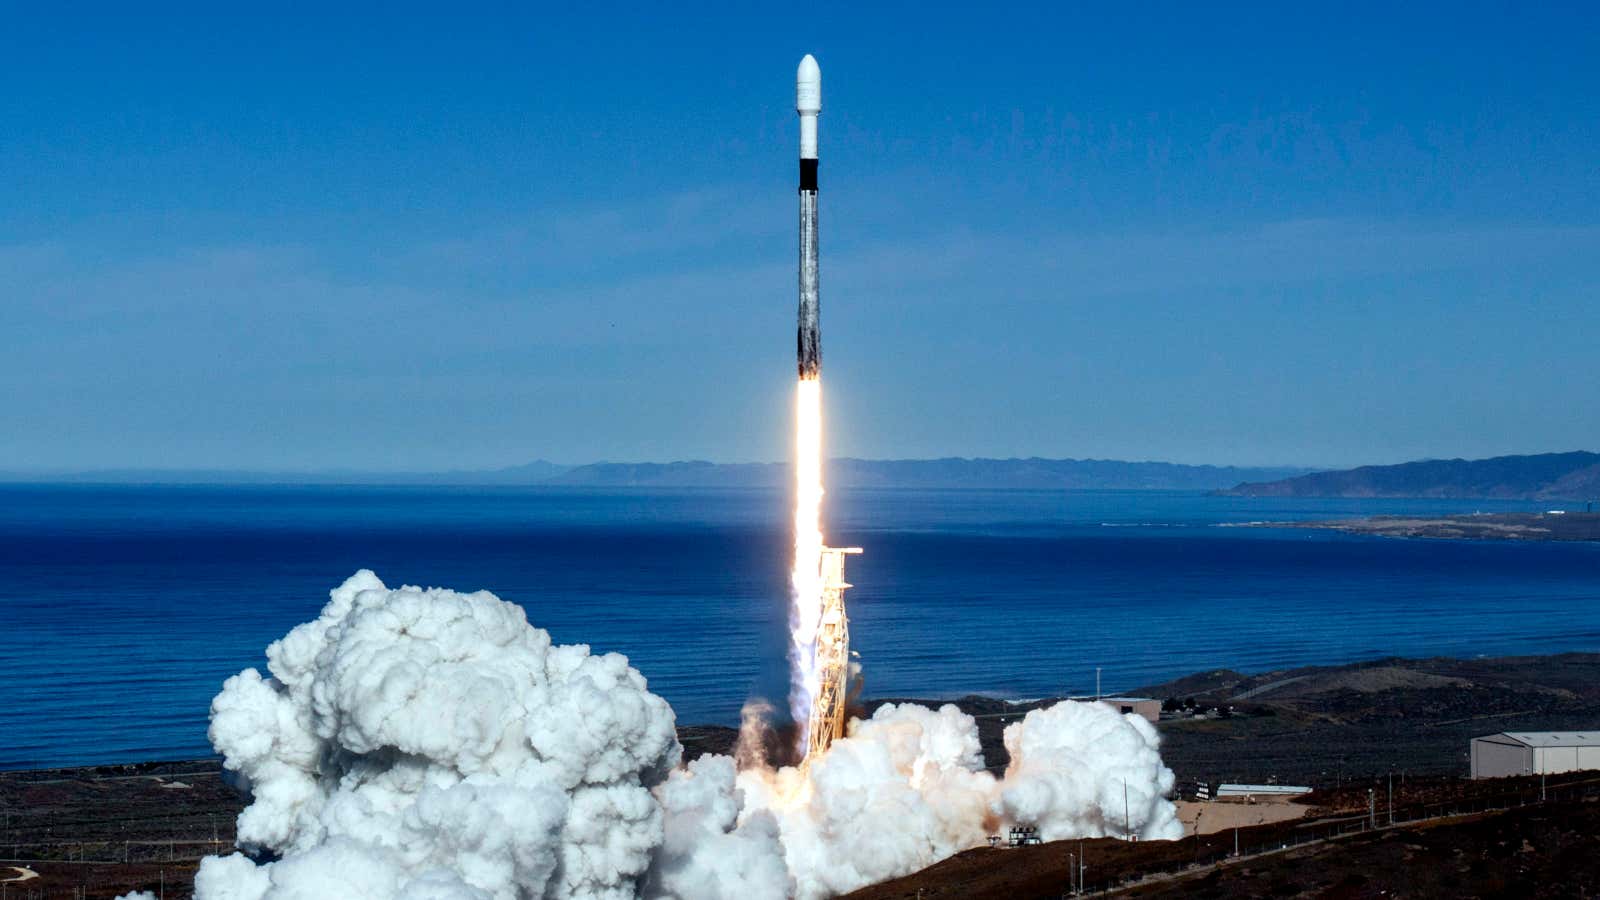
1319 832
110 851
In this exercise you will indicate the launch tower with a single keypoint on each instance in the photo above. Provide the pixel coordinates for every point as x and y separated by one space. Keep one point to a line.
833 654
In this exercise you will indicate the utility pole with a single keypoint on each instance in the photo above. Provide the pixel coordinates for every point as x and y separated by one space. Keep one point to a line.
1372 809
1235 840
1541 787
1391 799
1127 819
1072 873
1081 888
1097 683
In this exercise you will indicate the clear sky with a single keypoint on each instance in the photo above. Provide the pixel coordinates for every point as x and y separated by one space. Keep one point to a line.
463 236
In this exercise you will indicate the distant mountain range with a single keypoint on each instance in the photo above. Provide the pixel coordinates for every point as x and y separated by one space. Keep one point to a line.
1544 476
1036 473
529 473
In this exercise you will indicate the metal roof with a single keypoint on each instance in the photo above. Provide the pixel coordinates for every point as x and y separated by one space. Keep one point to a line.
1239 790
1553 738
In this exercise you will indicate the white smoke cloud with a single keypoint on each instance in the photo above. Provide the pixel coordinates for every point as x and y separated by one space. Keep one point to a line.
709 853
1081 770
903 791
431 745
908 788
425 743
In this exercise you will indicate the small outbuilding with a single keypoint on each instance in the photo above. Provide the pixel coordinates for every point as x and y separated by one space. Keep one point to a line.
1534 753
1141 706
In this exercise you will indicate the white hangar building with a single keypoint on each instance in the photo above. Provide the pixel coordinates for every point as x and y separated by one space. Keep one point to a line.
1534 753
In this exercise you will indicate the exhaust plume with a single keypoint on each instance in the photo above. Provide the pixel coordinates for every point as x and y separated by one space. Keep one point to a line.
805 611
432 745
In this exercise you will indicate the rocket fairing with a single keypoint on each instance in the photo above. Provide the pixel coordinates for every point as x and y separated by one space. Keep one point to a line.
808 103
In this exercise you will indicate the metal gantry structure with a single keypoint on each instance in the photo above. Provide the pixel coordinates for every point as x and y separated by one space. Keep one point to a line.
833 655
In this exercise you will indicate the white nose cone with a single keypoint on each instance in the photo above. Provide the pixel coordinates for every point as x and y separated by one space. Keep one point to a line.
808 87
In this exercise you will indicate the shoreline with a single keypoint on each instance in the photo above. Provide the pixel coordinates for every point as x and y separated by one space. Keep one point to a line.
1475 693
1432 696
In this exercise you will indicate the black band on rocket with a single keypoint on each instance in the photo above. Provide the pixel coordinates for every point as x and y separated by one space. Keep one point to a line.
808 174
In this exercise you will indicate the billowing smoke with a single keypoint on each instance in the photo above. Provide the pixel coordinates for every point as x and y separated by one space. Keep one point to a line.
714 848
908 788
432 745
425 743
1078 769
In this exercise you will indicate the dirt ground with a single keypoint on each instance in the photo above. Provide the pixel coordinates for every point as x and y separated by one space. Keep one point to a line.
1210 818
1542 850
106 830
1323 726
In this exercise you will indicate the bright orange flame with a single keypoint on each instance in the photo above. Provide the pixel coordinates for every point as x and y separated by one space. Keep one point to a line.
806 612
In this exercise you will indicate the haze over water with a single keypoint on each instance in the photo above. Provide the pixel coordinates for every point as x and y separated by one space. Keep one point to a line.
126 607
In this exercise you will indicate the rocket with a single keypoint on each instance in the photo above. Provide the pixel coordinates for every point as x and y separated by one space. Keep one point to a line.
808 103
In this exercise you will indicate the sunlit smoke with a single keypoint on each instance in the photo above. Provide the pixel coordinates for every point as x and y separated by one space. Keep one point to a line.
909 787
427 743
433 745
805 611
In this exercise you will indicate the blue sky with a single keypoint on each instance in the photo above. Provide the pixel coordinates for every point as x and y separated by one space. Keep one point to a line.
390 239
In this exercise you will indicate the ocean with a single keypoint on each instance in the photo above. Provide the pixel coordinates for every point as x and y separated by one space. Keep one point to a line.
122 608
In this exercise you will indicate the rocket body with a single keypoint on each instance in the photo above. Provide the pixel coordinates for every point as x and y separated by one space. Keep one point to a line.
809 337
808 103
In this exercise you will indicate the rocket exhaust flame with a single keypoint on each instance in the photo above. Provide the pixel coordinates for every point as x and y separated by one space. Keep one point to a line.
819 630
805 613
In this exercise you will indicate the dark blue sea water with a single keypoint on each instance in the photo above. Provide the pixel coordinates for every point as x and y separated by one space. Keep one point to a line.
122 609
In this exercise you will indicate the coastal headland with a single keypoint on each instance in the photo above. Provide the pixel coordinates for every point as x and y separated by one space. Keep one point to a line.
1555 525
